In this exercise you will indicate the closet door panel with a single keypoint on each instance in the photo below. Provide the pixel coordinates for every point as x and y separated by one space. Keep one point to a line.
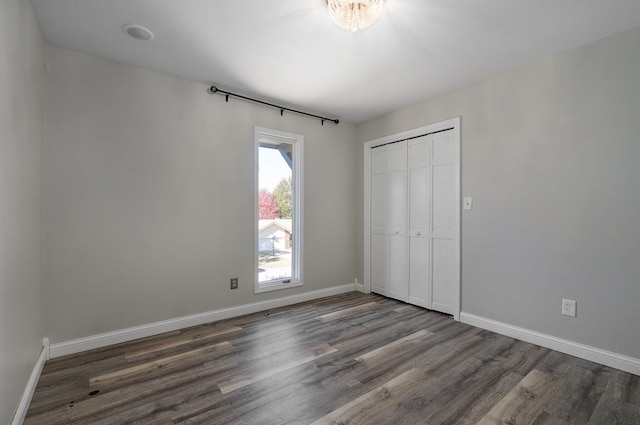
398 203
397 156
419 202
443 223
443 201
379 221
398 267
397 169
443 276
379 204
443 148
419 152
419 282
444 193
379 160
380 264
397 224
419 221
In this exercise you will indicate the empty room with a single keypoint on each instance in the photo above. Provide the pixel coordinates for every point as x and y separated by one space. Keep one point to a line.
320 212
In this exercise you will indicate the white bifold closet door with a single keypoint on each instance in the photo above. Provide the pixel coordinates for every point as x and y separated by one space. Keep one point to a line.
379 218
419 222
413 201
444 242
397 224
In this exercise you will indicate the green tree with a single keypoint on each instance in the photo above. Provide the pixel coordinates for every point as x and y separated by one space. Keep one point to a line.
282 194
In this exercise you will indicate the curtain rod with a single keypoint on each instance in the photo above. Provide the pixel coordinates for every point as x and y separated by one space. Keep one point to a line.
214 89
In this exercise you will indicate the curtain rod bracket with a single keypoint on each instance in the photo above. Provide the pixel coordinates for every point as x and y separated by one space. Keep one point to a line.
214 90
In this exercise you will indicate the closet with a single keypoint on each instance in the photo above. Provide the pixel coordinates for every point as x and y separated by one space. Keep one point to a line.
413 221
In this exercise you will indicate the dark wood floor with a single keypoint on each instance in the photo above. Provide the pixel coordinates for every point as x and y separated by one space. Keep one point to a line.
348 359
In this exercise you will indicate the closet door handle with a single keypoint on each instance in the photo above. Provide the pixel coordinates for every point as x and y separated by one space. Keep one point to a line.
397 232
418 234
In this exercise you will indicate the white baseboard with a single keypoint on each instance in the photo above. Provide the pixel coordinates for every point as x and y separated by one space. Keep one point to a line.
359 287
597 355
27 395
45 347
115 337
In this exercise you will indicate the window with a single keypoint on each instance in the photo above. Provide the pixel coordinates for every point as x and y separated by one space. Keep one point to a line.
278 235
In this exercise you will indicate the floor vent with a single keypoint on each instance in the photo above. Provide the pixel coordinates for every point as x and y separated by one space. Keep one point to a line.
277 313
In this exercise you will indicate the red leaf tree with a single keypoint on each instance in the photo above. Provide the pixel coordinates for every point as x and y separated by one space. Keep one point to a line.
267 208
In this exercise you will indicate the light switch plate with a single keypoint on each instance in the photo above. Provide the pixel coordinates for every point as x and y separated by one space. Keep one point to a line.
467 202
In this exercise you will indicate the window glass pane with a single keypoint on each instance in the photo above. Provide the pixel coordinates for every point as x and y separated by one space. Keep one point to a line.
275 211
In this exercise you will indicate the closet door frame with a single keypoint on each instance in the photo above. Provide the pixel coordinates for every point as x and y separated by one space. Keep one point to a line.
453 124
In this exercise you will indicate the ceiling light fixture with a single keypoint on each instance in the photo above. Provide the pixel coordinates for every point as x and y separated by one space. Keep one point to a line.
354 15
138 32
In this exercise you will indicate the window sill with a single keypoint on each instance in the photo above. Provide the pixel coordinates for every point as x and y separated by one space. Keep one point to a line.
276 286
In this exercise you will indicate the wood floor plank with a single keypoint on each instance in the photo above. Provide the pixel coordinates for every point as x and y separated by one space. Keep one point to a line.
340 314
359 339
451 390
385 352
367 408
574 403
546 419
523 404
145 368
211 417
242 380
476 400
176 342
295 396
624 386
523 357
612 411
162 422
149 409
114 400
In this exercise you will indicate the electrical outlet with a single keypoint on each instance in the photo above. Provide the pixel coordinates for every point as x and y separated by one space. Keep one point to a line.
234 283
569 308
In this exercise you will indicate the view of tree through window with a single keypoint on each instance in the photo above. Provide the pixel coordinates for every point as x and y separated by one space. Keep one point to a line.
275 212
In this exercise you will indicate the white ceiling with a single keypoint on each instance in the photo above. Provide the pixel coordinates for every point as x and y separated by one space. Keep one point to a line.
290 51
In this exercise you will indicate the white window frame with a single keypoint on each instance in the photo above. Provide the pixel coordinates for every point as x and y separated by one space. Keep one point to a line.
297 141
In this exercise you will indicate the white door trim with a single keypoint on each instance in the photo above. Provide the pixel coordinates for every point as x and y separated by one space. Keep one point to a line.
453 123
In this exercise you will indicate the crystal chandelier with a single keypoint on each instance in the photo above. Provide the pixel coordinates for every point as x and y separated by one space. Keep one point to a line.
354 15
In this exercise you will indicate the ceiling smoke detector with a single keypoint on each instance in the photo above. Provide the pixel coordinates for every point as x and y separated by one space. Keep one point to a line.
138 32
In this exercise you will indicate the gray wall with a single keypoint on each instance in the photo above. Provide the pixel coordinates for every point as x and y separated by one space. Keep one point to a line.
550 155
149 197
21 118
